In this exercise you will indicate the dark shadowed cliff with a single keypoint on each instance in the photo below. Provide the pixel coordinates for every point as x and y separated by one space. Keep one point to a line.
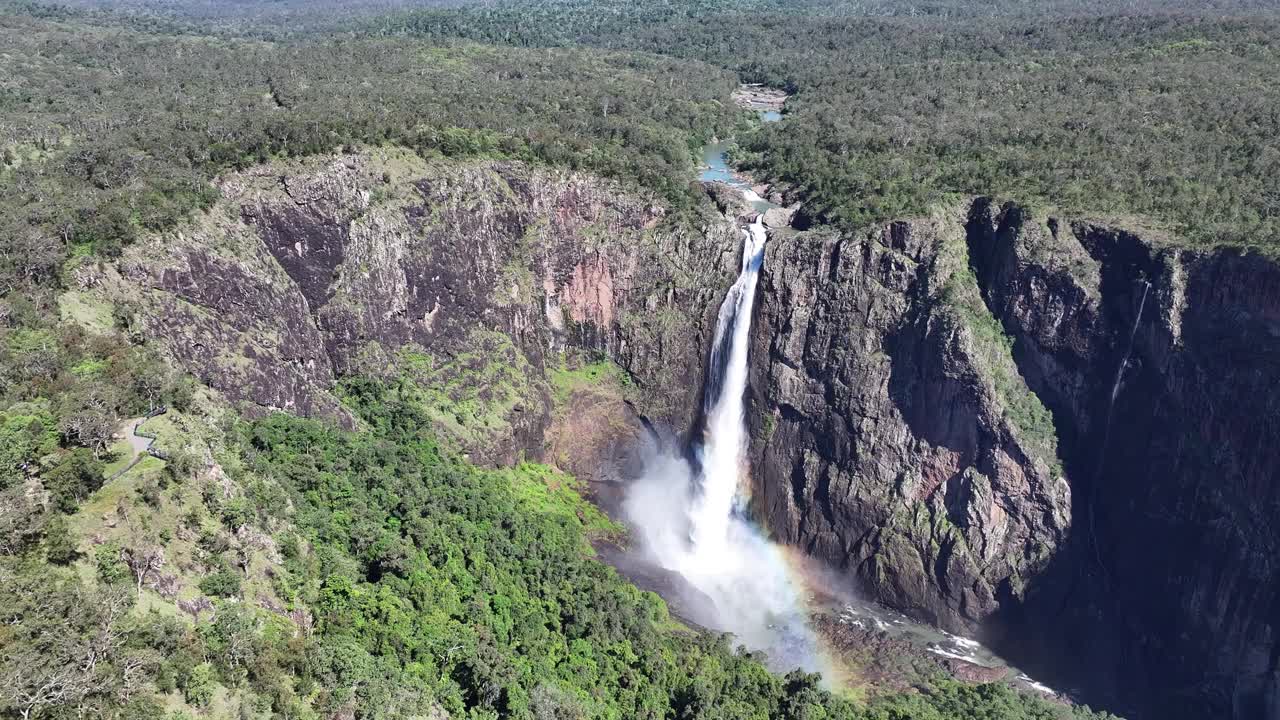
982 416
1161 368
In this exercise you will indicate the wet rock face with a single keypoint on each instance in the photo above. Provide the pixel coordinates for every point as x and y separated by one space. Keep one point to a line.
473 279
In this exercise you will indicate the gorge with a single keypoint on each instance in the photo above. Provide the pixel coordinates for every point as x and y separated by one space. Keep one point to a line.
747 360
925 397
906 445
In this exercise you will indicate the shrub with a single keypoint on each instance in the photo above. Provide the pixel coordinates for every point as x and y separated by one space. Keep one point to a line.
111 569
73 479
224 582
199 686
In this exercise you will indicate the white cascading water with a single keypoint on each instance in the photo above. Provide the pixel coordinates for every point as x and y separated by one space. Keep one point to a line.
724 445
690 520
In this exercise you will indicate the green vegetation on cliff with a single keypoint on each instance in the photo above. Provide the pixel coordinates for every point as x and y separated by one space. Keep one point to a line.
993 348
281 567
106 132
373 575
565 380
111 130
472 396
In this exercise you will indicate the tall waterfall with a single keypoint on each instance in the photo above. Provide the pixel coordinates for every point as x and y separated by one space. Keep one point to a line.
725 441
1128 350
689 519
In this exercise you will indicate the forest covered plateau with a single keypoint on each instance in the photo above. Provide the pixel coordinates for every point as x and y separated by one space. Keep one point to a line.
265 565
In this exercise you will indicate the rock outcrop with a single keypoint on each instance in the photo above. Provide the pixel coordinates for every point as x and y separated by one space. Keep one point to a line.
884 441
1060 434
775 218
471 279
1161 365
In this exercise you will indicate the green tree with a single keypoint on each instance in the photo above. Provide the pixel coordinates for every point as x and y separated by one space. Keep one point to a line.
77 474
60 546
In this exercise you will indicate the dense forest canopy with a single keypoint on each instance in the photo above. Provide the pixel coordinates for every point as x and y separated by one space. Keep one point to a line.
1161 110
450 588
281 18
896 105
107 133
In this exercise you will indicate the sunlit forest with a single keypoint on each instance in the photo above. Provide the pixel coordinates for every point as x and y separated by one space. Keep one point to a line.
452 591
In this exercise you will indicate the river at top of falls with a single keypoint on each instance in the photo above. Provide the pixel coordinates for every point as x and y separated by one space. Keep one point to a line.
715 167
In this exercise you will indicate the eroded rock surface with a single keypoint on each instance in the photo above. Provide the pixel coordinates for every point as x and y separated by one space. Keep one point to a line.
1162 367
472 279
1059 434
883 444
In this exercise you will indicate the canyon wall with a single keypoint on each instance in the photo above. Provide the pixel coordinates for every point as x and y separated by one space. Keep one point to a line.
1060 435
939 407
1162 367
884 442
465 282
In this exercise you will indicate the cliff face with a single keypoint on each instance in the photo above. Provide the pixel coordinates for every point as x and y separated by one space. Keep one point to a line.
471 280
1162 370
940 406
1059 434
883 442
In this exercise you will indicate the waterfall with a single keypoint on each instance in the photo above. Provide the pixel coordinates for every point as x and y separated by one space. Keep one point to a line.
724 442
1106 427
1124 360
690 520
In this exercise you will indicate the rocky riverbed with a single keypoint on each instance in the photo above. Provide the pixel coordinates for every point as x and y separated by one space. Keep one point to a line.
715 169
760 98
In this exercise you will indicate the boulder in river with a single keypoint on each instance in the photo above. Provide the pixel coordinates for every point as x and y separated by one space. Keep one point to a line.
778 217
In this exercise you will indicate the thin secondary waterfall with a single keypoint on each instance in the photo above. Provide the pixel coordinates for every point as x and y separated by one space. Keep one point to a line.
1128 350
1124 362
689 520
1106 428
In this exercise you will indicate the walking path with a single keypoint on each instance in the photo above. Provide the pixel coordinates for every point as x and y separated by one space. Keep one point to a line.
139 443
